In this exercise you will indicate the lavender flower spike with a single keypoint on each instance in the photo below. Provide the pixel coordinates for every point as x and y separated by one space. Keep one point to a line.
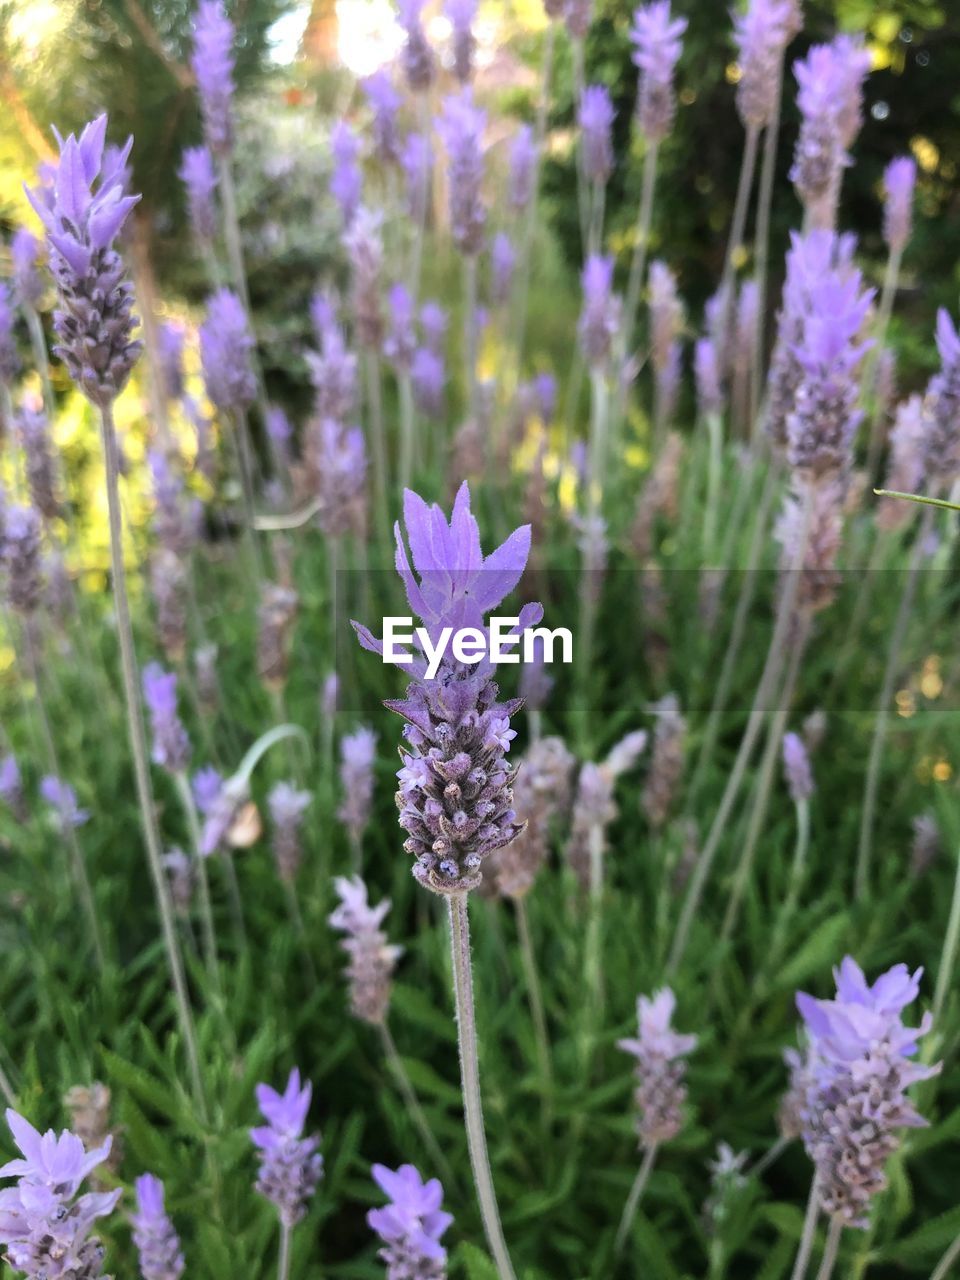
460 14
428 376
941 409
417 54
94 321
44 1222
762 33
24 254
290 1165
359 750
600 316
659 1052
899 180
656 52
225 347
596 122
523 167
20 557
171 745
461 127
372 958
158 1245
11 787
796 768
9 357
456 792
200 180
62 798
385 103
411 1225
287 807
213 66
346 181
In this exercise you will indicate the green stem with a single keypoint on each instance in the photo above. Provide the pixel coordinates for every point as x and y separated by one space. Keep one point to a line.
377 444
948 956
832 1249
283 1264
942 1268
797 869
535 996
888 294
189 807
761 250
633 1200
470 1083
747 169
41 359
808 1234
715 466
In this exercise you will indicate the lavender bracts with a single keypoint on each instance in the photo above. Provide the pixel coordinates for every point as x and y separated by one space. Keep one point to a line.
225 353
656 52
213 67
762 33
171 745
94 321
45 1223
372 959
290 1165
411 1225
158 1245
660 1067
456 787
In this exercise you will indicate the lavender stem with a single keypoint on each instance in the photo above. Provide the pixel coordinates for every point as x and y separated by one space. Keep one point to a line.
583 198
868 810
470 1083
231 230
888 294
638 263
714 469
535 996
245 462
283 1264
377 443
789 905
206 910
633 1200
831 1250
809 1233
942 1269
138 747
412 1103
744 186
7 1090
470 335
41 359
761 251
407 431
946 968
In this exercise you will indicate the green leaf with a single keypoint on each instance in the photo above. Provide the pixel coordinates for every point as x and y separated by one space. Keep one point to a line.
476 1264
818 953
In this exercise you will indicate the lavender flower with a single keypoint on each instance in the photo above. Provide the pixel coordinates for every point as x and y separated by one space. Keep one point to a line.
899 180
812 518
170 521
24 254
455 792
707 375
830 94
523 168
941 409
666 766
666 314
364 245
20 548
93 321
596 124
762 33
171 339
200 180
276 615
226 344
384 101
600 316
346 181
906 464
168 586
856 1072
460 14
11 787
44 1222
578 14
9 358
503 259
660 1068
207 784
428 378
280 430
181 874
417 55
330 694
416 160
461 127
358 751
433 322
333 373
290 1165
213 64
541 795
400 341
287 807
34 432
158 1245
411 1225
372 958
336 462
796 768
656 52
594 807
171 745
926 845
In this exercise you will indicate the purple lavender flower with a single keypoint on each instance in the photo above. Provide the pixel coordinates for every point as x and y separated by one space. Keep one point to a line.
829 96
416 160
461 127
455 791
324 308
158 1245
384 101
346 181
906 464
372 958
181 872
460 14
93 321
542 794
207 783
659 1053
523 168
400 341
171 339
20 556
707 375
62 798
594 807
290 1165
762 33
287 807
25 251
363 241
336 461
899 180
35 437
600 316
358 751
854 63
853 1083
11 787
225 346
171 522
9 358
578 14
333 372
545 385
434 322
330 695
656 52
941 408
666 765
503 259
666 313
796 768
417 54
280 430
213 63
200 180
428 377
411 1225
596 124
44 1223
171 745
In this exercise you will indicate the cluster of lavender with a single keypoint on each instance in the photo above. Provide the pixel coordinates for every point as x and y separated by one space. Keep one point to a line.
660 1067
850 1087
372 958
156 1239
291 1166
594 807
411 1224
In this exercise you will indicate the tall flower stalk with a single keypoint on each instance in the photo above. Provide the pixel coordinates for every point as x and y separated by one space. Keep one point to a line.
94 325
